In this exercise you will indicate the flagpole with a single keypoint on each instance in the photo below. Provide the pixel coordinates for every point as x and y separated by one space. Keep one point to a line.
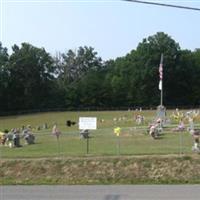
161 95
161 112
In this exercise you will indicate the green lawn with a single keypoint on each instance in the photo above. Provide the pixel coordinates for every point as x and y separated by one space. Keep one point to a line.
133 140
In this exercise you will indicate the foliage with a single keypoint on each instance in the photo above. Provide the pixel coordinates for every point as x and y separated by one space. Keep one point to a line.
30 78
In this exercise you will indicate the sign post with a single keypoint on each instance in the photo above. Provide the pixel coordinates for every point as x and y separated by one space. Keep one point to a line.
85 124
117 131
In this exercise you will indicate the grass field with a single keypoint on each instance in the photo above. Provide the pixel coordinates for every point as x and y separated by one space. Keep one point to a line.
133 140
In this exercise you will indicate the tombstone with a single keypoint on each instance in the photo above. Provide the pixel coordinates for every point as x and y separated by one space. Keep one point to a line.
16 139
29 138
45 126
73 123
139 119
56 132
196 147
84 134
9 139
153 131
191 123
68 123
161 114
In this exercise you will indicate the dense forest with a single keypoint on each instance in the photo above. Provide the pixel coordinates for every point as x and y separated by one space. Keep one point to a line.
31 78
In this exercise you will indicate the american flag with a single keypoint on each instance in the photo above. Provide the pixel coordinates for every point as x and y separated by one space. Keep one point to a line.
161 72
161 67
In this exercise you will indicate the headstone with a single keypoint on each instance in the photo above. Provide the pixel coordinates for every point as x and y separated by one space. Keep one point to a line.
161 114
45 126
84 134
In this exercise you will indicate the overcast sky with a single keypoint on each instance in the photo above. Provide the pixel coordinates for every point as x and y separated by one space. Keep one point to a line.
113 28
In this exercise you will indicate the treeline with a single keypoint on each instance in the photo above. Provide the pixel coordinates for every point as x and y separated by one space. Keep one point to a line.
30 78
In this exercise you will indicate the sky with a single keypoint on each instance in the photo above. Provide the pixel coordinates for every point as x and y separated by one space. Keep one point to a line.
112 28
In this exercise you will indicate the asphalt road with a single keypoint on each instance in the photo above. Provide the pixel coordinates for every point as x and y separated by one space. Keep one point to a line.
99 192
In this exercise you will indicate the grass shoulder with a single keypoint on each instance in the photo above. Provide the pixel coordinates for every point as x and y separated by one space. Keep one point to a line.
164 169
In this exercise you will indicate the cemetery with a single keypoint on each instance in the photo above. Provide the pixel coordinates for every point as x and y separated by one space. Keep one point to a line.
177 134
104 147
130 132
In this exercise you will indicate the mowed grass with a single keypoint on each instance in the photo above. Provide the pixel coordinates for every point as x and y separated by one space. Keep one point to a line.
134 139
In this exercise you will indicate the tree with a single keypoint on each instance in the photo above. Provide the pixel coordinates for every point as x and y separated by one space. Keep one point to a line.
73 69
31 76
148 59
31 79
4 78
77 64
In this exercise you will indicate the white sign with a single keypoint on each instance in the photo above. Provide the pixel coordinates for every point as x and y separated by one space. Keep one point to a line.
89 123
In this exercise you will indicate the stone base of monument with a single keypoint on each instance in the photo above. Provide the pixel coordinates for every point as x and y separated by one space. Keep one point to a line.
161 115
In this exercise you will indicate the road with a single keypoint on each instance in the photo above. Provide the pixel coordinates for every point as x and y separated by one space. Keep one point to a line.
100 192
